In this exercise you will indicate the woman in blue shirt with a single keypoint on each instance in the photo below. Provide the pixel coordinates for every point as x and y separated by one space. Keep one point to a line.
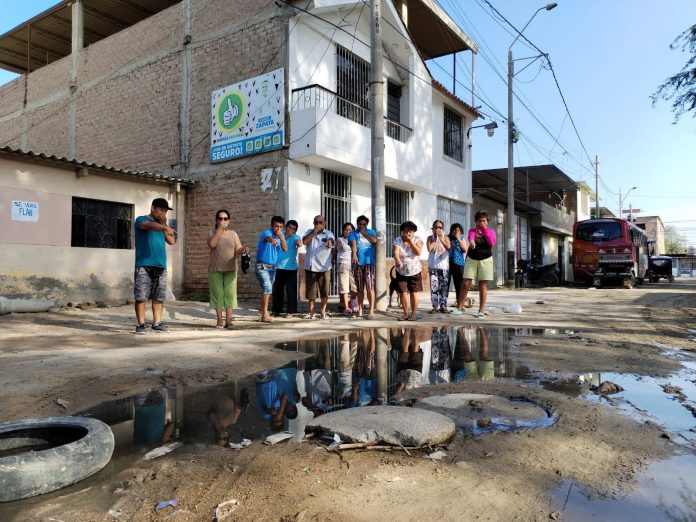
457 256
286 272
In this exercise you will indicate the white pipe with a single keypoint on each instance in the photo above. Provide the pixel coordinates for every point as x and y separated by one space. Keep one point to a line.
8 306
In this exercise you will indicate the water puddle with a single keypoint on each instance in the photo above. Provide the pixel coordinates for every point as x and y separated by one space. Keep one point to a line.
360 368
666 492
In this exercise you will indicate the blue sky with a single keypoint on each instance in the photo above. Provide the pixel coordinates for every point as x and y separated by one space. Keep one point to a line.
609 56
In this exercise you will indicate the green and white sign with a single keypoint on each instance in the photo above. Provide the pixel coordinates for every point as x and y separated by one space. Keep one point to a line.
248 117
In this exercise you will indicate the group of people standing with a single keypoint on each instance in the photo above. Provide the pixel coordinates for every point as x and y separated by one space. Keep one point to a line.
451 257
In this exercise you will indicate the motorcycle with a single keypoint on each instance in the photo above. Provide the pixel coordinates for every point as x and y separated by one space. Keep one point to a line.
529 273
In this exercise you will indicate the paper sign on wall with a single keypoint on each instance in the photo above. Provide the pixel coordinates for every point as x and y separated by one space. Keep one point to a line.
25 210
248 117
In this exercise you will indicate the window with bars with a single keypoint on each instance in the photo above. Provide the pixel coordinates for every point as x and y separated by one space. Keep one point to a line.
352 86
450 211
397 212
453 139
101 224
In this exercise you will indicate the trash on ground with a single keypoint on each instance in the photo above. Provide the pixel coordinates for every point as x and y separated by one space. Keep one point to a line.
225 509
115 513
239 445
278 437
61 402
336 443
162 450
514 308
166 503
436 455
606 388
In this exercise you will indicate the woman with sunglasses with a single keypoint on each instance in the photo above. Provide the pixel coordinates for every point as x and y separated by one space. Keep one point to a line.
225 246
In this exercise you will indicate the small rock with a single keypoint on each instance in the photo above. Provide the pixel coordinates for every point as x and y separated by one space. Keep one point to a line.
61 402
606 388
485 422
555 515
225 509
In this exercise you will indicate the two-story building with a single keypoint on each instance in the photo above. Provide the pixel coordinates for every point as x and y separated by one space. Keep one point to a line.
547 204
263 105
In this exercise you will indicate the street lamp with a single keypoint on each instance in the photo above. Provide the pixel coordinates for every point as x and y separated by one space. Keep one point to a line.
490 129
621 200
512 138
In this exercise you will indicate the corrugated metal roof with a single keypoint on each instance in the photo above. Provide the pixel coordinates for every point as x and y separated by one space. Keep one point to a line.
7 152
48 36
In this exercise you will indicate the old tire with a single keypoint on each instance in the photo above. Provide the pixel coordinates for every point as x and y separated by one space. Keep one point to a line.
79 447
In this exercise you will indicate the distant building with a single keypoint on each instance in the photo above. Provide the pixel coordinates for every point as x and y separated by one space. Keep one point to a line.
654 229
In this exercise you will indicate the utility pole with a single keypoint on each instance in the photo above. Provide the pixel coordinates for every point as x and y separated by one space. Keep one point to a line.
511 222
596 186
379 213
620 205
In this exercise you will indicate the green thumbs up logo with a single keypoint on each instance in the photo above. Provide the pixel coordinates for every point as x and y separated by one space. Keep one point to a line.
230 111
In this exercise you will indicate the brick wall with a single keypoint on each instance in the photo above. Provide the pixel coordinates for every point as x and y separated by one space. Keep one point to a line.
127 107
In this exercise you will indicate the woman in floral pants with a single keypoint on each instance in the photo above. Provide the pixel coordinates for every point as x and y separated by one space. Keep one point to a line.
438 245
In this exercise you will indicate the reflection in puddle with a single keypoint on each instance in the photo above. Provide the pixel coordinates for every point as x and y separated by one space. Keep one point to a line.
355 369
666 491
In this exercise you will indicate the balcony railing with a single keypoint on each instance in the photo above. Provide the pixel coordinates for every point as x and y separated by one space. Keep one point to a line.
316 96
552 218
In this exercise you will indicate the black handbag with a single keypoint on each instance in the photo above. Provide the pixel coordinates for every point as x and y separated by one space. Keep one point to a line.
246 262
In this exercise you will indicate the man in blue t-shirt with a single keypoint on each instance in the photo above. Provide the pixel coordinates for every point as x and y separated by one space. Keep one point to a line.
271 243
362 244
150 279
285 282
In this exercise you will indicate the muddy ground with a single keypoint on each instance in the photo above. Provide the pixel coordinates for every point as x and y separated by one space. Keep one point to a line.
85 357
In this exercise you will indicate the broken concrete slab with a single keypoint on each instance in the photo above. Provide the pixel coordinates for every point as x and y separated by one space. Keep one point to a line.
389 424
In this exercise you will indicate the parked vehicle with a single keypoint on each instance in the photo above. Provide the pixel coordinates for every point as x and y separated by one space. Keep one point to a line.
660 267
529 273
609 250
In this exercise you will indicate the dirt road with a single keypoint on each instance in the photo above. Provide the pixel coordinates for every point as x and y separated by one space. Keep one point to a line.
86 357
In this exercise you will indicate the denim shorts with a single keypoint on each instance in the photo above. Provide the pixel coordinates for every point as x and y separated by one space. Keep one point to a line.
266 276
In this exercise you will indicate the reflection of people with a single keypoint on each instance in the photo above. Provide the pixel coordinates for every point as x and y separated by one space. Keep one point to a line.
223 413
440 357
364 385
225 246
406 250
362 245
272 405
315 388
286 271
464 367
271 242
479 260
150 279
409 367
150 427
438 245
317 264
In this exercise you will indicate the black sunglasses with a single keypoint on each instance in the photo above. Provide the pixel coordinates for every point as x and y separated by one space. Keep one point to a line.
223 219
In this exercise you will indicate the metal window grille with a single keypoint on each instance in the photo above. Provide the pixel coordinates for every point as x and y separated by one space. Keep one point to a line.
453 142
352 86
397 212
101 224
450 211
335 207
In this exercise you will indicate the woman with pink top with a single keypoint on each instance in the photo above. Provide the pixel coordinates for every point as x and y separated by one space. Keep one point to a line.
479 260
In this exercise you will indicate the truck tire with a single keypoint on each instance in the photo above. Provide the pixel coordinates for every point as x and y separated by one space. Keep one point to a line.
78 448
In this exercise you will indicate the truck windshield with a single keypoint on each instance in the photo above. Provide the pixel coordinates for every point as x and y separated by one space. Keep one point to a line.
595 232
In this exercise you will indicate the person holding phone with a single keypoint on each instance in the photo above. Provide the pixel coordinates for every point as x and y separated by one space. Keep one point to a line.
317 265
225 246
438 245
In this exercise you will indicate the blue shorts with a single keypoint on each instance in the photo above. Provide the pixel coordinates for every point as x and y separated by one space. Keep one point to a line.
266 276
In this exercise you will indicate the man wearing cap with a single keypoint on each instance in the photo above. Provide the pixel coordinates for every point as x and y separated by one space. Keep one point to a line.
150 279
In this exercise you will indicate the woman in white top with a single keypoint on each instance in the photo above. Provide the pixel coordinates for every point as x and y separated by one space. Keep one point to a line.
344 269
438 245
406 251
